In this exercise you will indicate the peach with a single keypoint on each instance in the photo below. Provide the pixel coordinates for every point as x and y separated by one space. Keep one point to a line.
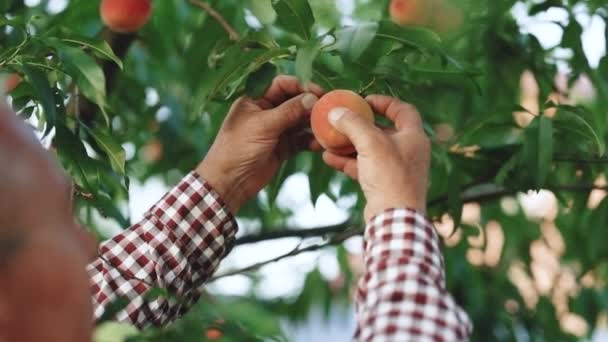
125 16
214 334
410 12
446 17
12 82
326 134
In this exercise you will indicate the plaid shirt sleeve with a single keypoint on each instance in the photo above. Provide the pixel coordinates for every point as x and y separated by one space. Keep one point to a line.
402 295
177 246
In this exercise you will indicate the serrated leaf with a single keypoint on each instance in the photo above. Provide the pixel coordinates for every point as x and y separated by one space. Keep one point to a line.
259 81
305 59
234 70
75 160
87 74
263 10
538 149
319 178
568 119
102 48
295 16
353 41
116 154
44 94
418 37
286 170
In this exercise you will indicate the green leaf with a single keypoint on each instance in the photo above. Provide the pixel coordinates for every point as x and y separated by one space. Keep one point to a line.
353 41
455 203
568 118
101 48
114 331
259 81
234 71
295 16
86 73
286 170
116 154
263 10
44 94
538 149
543 6
319 178
418 37
75 160
305 59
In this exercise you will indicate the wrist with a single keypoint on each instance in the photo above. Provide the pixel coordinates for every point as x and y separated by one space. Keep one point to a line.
375 208
223 185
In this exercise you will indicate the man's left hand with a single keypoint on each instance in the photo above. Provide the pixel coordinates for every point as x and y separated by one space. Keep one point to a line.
256 137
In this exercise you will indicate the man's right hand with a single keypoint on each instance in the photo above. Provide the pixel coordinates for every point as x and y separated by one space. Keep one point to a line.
392 165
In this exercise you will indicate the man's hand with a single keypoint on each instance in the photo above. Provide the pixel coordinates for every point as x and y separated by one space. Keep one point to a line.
256 137
392 165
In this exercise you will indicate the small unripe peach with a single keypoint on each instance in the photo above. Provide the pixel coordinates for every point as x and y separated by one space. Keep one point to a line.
410 12
330 138
125 15
12 82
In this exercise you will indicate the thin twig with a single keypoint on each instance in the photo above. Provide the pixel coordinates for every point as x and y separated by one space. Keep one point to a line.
348 228
343 234
218 17
291 232
577 160
336 240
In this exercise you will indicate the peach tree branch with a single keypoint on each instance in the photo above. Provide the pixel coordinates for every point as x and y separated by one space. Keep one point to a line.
217 16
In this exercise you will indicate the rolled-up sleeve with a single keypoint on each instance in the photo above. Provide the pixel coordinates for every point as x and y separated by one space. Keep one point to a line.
176 247
402 295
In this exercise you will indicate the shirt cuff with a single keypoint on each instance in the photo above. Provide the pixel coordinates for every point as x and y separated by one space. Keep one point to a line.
406 233
197 216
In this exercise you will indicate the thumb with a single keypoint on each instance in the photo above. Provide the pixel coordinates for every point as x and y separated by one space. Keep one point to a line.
359 131
291 113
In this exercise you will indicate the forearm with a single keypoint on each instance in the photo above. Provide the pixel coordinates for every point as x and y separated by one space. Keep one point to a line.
176 247
402 294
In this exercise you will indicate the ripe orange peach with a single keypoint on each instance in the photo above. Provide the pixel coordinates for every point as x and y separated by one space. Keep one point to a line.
410 12
326 134
214 334
12 82
125 15
446 17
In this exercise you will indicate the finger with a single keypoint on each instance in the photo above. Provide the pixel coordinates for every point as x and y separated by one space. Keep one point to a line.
361 132
290 114
264 104
341 163
403 114
284 87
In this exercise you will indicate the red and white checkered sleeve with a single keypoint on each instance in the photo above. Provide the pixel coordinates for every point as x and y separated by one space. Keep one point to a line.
176 247
402 295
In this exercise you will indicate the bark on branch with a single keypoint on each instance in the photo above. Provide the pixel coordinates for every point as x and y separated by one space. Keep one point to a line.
353 230
217 16
343 232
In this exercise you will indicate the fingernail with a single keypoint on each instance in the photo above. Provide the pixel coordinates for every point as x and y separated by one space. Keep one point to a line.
336 113
309 101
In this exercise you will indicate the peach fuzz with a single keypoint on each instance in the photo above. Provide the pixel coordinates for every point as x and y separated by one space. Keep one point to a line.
12 82
324 131
125 16
410 12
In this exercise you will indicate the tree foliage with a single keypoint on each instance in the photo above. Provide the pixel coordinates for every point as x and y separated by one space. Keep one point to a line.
115 107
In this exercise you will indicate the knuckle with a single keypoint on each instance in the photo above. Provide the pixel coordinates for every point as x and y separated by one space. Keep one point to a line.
292 111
